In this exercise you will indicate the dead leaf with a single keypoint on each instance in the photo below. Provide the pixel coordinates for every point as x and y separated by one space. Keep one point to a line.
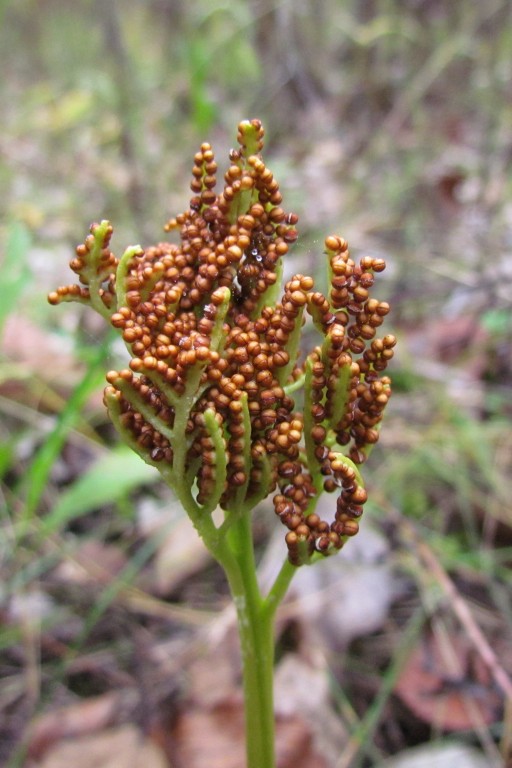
83 717
302 695
93 562
348 596
32 346
212 677
211 738
215 739
123 747
446 687
209 732
181 555
441 756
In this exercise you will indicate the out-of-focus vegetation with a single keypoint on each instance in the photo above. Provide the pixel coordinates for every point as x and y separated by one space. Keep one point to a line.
388 123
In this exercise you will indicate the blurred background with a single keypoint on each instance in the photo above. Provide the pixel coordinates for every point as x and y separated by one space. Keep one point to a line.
388 123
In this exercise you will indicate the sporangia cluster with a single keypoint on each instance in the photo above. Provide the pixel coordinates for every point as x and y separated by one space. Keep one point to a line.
216 354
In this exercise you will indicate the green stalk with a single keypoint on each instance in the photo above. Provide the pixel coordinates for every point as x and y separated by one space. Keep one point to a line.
256 632
279 588
235 553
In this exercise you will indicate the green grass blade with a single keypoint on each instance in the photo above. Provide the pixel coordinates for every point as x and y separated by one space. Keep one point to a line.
113 475
15 271
39 471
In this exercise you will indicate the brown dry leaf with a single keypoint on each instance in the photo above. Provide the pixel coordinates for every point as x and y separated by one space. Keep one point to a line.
295 744
209 732
181 555
441 756
93 562
123 747
214 676
448 688
302 695
73 721
209 738
214 738
349 596
29 344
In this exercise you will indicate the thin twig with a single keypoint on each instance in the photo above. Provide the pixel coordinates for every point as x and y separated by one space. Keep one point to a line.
460 608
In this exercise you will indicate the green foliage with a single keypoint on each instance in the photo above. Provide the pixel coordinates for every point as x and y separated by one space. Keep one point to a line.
15 270
36 478
109 479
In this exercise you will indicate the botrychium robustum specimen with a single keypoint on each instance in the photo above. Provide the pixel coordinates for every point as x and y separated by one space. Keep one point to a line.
216 366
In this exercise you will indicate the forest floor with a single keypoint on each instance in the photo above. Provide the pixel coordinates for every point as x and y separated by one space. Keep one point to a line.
118 642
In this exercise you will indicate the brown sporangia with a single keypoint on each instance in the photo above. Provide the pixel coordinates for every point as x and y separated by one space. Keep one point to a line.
215 348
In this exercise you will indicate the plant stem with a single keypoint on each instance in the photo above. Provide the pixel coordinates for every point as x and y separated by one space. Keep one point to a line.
279 588
256 632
